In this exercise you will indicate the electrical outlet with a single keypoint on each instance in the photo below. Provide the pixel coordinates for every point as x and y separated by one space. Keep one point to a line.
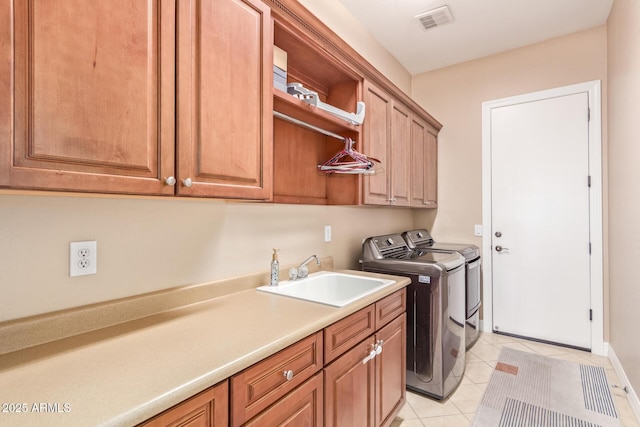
477 231
327 233
83 258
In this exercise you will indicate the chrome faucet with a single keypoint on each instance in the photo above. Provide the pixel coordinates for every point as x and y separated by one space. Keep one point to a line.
302 271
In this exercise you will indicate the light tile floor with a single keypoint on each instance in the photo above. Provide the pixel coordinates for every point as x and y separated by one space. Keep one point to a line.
458 410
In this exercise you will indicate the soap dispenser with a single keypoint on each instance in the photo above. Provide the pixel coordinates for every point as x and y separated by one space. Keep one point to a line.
275 268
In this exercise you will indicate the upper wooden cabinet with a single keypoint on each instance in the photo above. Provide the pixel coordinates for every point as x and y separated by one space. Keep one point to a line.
377 144
424 164
90 94
387 137
298 150
87 93
224 112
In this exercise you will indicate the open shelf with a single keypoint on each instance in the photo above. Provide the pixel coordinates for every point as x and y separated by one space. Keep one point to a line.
297 150
296 108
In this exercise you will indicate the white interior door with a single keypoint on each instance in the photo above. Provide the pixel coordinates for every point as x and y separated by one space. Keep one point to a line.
540 219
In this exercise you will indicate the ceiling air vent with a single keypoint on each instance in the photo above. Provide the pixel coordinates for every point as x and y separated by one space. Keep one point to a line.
435 17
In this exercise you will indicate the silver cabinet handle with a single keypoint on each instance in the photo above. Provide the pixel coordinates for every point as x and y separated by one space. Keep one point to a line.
187 182
288 375
378 347
500 248
371 355
170 180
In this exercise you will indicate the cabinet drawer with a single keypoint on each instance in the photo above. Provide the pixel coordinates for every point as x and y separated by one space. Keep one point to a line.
257 387
302 407
210 408
344 334
390 307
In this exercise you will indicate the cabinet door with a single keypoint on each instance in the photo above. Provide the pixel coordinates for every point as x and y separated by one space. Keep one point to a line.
400 149
424 164
431 174
390 371
225 104
207 409
87 95
377 143
349 388
302 407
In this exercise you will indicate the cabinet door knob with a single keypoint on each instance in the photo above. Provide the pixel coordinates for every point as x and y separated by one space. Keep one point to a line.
187 182
170 180
288 375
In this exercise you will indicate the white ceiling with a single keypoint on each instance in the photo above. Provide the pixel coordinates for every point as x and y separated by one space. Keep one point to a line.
480 27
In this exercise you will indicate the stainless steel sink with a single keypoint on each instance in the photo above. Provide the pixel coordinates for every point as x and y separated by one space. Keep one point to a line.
330 288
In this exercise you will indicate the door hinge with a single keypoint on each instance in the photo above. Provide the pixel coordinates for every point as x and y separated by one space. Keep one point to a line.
590 315
589 180
589 248
588 114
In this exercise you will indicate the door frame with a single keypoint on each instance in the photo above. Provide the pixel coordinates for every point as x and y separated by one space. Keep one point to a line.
593 88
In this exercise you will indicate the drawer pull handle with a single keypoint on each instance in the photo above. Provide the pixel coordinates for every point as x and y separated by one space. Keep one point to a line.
288 375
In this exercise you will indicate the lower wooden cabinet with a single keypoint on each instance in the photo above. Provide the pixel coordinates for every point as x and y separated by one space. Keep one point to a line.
267 382
207 409
350 388
366 390
302 407
351 373
390 367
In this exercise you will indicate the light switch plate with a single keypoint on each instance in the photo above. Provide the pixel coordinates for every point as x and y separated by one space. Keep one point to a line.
327 233
478 230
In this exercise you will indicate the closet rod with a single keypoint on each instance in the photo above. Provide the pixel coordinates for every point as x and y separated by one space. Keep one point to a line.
307 125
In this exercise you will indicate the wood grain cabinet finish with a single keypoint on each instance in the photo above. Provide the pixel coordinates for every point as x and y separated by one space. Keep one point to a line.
87 95
390 307
377 143
400 150
424 164
302 407
132 97
387 137
224 99
207 409
361 390
291 388
258 387
350 388
344 334
390 366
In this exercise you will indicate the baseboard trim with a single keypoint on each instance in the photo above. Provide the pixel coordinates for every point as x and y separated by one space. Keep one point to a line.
631 394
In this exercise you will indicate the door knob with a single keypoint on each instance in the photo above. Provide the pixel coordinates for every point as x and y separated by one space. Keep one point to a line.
500 248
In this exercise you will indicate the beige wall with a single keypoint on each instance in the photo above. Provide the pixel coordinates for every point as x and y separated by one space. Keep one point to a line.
148 244
151 244
624 175
337 17
454 95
